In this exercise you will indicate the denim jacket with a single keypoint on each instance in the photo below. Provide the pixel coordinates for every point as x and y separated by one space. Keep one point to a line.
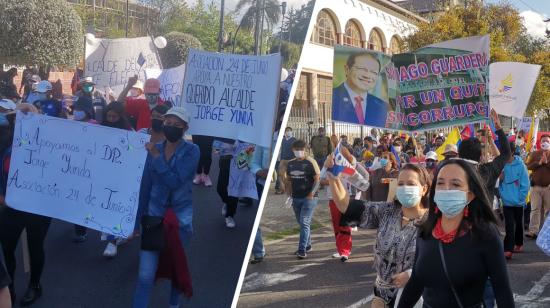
167 183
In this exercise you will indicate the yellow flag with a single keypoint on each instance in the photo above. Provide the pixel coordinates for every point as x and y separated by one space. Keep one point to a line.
530 136
452 138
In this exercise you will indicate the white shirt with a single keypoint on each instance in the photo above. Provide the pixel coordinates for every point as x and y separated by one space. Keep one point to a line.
353 95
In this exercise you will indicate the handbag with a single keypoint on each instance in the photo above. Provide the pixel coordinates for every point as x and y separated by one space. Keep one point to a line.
152 237
543 239
378 302
447 275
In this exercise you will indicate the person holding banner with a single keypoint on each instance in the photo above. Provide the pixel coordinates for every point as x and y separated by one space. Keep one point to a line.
539 164
167 182
459 246
379 187
12 223
396 222
139 108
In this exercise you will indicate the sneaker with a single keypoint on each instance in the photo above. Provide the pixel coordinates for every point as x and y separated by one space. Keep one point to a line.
344 258
256 260
230 222
301 255
198 179
206 180
508 255
80 238
224 210
531 235
518 249
354 229
110 251
336 255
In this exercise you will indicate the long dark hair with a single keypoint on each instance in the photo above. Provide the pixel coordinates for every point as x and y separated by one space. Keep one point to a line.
423 178
123 122
480 218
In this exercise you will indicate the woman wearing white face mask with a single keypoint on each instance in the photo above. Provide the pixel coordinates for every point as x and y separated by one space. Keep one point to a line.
459 245
397 223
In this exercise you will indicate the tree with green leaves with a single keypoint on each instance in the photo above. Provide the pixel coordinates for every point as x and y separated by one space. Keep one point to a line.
41 32
271 12
509 40
177 48
289 51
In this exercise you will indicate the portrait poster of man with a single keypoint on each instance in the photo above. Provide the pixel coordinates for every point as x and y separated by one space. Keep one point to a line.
430 88
360 88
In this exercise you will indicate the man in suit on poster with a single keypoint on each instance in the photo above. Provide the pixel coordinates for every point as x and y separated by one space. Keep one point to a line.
351 101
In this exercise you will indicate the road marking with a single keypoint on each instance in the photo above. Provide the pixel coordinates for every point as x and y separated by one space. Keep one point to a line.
257 280
362 302
531 299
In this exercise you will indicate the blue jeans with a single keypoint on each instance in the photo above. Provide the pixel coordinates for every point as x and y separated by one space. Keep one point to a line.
303 209
148 261
258 249
489 295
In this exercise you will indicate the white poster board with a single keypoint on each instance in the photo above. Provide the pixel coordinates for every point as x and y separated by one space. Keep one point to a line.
510 87
110 62
78 172
171 82
232 96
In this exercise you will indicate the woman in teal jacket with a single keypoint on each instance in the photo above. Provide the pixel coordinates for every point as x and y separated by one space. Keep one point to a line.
513 188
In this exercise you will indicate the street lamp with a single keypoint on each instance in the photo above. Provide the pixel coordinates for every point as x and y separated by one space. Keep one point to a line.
283 11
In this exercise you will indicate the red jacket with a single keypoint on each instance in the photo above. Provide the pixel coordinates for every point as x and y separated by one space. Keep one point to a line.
172 260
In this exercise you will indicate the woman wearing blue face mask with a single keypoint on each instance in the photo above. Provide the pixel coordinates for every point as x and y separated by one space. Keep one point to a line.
379 187
396 222
459 245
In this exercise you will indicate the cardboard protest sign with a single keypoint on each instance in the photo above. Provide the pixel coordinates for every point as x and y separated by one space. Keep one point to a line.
427 89
171 83
242 182
511 86
88 175
110 62
232 96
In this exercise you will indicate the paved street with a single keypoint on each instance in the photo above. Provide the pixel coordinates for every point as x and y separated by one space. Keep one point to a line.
77 275
320 281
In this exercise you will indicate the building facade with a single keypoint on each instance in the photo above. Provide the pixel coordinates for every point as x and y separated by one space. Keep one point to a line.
110 15
374 24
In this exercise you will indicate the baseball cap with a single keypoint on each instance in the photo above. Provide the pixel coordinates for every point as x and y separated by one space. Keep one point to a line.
450 148
35 79
138 85
431 155
152 86
43 86
87 80
7 104
179 112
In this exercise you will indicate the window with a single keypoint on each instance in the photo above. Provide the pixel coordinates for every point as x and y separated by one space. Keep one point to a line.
302 90
325 29
352 37
324 88
396 46
375 41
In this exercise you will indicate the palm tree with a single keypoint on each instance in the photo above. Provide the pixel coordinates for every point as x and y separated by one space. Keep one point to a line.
271 12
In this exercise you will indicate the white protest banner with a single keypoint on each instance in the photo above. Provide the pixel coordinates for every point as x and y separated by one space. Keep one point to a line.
171 82
242 182
110 62
524 124
510 87
232 96
78 172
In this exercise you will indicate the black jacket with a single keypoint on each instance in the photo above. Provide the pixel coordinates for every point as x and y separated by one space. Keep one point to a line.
492 170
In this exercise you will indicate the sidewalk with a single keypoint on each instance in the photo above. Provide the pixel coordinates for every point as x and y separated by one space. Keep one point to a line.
278 221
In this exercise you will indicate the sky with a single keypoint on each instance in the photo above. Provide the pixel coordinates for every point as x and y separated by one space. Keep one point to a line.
534 12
